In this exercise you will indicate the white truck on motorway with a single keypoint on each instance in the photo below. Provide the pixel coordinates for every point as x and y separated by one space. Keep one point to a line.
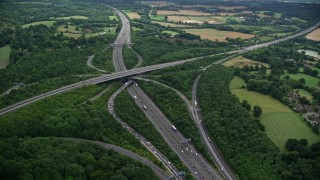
174 128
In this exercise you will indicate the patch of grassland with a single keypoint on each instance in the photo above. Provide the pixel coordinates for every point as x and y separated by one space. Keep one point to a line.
277 15
173 33
305 93
113 17
170 24
4 56
280 121
157 17
70 31
136 29
214 34
237 83
47 23
132 15
5 25
240 62
281 125
310 81
73 17
298 19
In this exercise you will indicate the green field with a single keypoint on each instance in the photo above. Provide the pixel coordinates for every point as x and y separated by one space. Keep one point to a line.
113 17
216 19
227 18
280 121
237 83
136 29
5 25
310 81
298 19
73 17
47 23
110 30
4 56
305 93
166 24
157 17
173 33
70 31
277 15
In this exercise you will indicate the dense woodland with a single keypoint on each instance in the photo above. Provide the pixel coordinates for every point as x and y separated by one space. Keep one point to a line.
232 129
53 158
69 115
130 58
103 60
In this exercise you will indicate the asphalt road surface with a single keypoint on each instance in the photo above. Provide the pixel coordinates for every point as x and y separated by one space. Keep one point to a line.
138 136
197 164
191 158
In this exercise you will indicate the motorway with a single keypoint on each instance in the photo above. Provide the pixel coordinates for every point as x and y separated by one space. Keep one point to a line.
195 114
198 166
124 37
125 152
138 136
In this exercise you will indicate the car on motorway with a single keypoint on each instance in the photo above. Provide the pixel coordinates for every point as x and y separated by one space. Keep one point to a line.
144 107
135 97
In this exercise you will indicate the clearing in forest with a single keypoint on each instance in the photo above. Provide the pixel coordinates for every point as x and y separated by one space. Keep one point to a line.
241 61
231 7
4 56
304 93
280 122
170 24
46 23
214 34
73 17
314 35
133 15
183 12
310 80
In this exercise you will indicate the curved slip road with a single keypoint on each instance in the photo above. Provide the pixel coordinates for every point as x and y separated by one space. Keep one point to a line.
125 152
89 63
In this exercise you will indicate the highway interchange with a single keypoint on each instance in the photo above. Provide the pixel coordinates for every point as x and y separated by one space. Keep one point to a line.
197 165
